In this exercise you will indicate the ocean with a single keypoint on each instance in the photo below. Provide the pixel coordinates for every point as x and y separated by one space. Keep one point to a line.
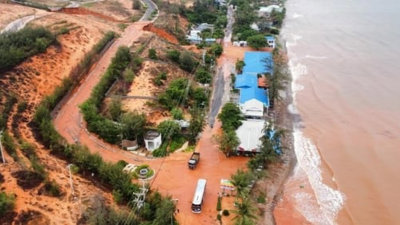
344 56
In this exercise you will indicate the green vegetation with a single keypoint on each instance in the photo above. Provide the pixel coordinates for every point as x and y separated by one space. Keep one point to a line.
174 55
9 145
177 113
11 100
107 129
158 80
203 76
175 94
7 203
216 49
152 53
225 212
169 129
187 62
17 46
239 66
228 142
257 41
219 208
230 117
244 212
52 188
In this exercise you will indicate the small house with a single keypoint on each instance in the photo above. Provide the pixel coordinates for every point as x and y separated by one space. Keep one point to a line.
152 140
194 36
270 41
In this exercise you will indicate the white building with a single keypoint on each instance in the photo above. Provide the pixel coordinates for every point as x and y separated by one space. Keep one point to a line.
252 108
267 10
152 140
249 134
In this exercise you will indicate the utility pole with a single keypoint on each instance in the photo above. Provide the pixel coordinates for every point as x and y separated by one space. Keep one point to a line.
140 196
1 147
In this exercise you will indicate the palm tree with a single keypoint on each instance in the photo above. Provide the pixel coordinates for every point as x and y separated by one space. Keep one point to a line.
242 181
244 212
278 79
271 143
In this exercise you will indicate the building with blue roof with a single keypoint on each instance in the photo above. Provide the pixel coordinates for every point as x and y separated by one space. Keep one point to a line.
253 99
270 41
255 63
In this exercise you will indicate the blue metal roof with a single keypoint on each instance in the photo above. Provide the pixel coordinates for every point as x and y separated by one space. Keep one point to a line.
255 62
245 81
269 38
254 92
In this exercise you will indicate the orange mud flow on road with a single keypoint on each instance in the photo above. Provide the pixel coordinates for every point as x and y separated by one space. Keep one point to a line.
173 177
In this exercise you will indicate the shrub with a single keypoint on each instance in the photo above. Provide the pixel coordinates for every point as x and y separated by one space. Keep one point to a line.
174 55
261 198
7 203
219 217
177 113
216 49
117 196
239 66
17 46
199 96
176 143
203 76
174 95
52 188
187 62
128 75
225 212
219 203
9 145
152 53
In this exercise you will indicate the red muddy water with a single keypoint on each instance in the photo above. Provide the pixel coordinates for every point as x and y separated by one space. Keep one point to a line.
344 60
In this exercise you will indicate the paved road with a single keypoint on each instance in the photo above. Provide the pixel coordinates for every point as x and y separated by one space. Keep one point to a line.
151 7
222 79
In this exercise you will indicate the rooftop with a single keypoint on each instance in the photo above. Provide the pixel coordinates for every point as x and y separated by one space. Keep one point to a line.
152 134
260 94
249 134
255 62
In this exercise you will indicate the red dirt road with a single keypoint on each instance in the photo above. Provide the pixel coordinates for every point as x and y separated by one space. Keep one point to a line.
172 175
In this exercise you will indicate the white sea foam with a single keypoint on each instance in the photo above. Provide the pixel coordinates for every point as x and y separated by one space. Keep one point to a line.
296 15
316 57
329 200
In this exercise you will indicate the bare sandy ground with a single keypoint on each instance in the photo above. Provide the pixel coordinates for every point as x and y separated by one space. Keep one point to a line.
10 13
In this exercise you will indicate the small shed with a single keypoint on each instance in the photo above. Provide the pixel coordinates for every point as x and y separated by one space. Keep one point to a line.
152 140
270 41
129 145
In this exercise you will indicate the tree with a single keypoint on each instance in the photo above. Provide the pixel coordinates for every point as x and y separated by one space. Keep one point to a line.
239 66
230 116
203 76
257 41
228 142
175 94
133 125
196 125
165 213
216 49
169 129
152 53
199 96
7 203
242 180
174 55
187 62
244 212
278 79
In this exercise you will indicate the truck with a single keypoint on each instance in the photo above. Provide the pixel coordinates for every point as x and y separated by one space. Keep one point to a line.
194 159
